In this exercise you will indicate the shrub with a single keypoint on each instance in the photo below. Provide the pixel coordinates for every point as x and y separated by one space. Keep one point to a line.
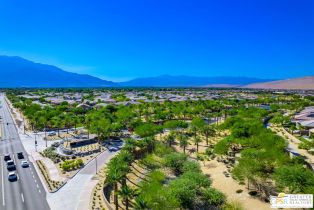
191 166
175 161
157 176
222 147
70 165
150 162
214 197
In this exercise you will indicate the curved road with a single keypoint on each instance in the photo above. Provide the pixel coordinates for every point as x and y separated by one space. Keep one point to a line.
27 193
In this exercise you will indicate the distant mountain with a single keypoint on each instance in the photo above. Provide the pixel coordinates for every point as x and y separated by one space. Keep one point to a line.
303 83
190 81
19 72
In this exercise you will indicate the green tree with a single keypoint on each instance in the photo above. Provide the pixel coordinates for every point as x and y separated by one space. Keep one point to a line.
295 178
197 124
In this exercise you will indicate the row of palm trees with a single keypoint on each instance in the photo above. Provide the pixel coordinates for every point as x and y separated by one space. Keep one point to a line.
120 166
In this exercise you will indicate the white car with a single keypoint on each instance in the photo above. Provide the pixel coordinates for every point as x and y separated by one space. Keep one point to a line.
24 164
52 133
12 176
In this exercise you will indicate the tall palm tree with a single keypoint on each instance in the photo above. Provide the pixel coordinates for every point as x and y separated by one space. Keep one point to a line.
88 120
114 175
208 131
67 122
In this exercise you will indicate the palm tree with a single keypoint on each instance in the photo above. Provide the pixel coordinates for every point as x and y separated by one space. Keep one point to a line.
75 120
170 139
67 122
55 123
114 175
183 142
197 140
130 145
197 124
126 193
88 121
208 131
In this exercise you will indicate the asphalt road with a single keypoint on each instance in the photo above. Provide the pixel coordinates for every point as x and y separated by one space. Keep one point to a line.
27 193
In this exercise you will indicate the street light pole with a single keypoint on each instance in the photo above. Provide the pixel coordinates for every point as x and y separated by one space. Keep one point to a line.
35 142
96 165
24 124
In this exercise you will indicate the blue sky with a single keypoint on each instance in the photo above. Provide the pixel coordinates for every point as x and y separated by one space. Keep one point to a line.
118 40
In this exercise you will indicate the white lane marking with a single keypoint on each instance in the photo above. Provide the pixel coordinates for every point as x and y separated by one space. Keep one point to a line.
37 186
33 176
3 200
39 191
22 197
35 180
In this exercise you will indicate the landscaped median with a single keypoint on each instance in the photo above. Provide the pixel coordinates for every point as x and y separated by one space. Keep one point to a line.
52 185
97 201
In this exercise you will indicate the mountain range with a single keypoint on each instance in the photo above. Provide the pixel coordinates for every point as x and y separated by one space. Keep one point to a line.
17 72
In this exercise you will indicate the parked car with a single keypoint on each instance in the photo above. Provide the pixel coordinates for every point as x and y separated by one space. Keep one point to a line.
24 164
20 155
12 176
10 165
7 157
52 133
113 149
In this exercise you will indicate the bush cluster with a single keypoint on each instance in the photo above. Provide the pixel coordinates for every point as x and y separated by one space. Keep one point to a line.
70 165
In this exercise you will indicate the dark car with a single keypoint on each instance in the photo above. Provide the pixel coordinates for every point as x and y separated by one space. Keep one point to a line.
10 165
20 155
113 149
7 157
12 176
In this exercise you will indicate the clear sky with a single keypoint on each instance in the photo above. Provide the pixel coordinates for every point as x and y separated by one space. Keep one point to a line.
123 39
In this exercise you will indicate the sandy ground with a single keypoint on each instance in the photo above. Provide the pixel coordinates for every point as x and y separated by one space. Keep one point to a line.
229 186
